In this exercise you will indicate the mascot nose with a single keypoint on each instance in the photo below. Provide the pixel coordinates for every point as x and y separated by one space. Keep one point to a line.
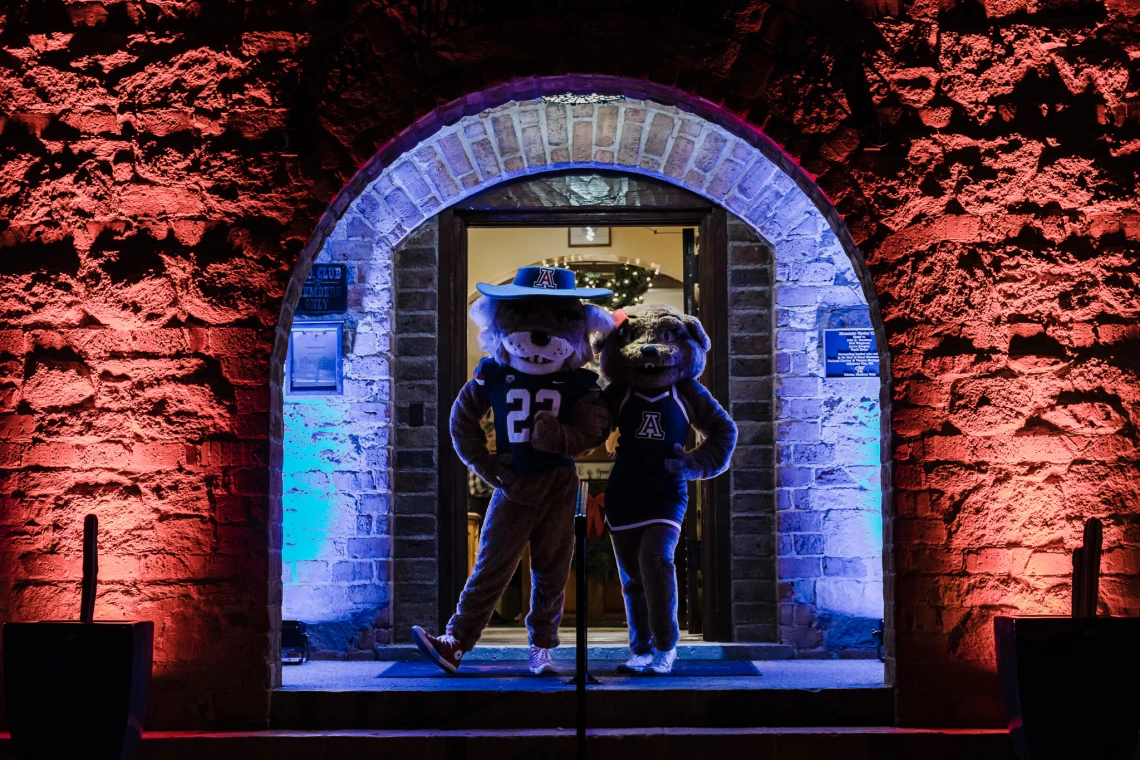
539 338
650 350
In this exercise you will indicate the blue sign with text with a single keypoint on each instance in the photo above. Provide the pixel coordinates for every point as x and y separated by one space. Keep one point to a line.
325 291
850 352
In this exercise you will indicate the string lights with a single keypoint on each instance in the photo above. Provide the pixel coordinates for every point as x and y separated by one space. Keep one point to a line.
629 282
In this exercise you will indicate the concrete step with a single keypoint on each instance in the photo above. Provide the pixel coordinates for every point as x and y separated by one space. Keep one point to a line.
501 707
617 708
880 743
335 696
686 651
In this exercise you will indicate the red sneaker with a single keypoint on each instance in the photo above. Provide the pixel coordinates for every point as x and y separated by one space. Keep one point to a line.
443 650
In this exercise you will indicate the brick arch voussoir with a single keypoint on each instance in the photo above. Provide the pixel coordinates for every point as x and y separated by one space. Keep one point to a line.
685 104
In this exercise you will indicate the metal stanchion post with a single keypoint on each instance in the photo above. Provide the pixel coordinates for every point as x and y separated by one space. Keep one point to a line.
581 671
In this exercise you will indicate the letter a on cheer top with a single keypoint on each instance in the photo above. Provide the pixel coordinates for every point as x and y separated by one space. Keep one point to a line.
651 426
545 279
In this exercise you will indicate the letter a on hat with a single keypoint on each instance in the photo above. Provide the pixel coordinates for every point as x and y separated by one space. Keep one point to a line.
545 279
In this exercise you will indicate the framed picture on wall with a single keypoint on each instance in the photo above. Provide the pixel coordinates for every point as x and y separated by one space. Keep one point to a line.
589 237
315 363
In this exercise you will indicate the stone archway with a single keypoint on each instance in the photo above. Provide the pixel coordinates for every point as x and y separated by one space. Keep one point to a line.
720 159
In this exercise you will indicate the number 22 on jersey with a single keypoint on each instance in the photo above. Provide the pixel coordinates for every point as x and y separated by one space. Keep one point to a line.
519 420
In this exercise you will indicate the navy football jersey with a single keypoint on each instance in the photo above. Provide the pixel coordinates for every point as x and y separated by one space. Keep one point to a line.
516 397
640 490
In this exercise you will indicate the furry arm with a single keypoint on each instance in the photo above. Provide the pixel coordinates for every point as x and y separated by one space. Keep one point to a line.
588 429
712 456
470 441
612 394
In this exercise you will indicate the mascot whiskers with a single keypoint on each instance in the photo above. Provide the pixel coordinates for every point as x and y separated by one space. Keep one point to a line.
547 409
653 359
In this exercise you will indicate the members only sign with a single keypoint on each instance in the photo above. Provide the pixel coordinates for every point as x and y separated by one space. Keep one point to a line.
326 290
851 352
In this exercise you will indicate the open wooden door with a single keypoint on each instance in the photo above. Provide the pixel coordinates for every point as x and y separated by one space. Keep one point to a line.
689 575
716 532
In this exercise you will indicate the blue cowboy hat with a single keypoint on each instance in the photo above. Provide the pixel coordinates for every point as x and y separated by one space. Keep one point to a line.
541 281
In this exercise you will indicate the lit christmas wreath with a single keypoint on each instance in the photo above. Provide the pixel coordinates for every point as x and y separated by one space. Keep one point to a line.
629 282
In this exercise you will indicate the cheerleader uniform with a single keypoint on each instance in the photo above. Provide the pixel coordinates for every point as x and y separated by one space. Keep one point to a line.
645 506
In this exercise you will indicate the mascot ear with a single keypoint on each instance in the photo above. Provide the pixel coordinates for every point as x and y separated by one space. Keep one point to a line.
483 312
483 315
599 323
697 332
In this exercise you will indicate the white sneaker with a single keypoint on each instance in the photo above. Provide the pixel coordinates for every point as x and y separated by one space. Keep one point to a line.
540 660
637 663
663 661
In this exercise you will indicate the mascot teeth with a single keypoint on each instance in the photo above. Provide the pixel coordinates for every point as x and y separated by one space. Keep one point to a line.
540 359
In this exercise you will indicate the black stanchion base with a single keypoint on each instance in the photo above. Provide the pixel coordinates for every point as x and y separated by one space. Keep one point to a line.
590 680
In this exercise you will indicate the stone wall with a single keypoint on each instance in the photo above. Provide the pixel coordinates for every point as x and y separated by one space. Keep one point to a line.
828 442
415 545
337 475
752 491
360 555
162 166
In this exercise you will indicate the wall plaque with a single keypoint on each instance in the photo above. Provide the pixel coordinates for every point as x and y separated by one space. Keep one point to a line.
314 366
325 291
850 352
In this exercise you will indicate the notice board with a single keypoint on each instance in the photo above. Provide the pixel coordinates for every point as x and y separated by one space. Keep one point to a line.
850 352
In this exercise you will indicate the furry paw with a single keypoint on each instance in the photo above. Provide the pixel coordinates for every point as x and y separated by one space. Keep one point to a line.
546 434
498 471
683 464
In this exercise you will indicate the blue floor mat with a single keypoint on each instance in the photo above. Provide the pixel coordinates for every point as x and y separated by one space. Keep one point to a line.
602 668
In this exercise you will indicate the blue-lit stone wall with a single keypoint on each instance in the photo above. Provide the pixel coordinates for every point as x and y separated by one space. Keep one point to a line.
336 555
829 494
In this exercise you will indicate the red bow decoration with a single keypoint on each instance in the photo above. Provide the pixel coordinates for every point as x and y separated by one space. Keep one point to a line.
595 522
619 317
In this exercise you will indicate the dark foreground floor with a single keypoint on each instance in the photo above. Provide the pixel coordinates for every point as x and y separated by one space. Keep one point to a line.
554 744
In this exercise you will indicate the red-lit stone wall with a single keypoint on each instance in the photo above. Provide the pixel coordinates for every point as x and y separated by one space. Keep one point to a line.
1007 263
162 165
149 222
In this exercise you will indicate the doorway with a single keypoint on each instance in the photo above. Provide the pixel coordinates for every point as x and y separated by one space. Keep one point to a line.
662 255
641 265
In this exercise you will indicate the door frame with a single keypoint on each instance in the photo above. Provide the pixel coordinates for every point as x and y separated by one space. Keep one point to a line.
454 223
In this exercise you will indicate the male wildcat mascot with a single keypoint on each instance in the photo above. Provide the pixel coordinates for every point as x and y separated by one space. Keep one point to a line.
653 359
547 409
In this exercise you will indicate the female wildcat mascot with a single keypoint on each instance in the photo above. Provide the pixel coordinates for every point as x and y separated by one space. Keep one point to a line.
547 409
653 359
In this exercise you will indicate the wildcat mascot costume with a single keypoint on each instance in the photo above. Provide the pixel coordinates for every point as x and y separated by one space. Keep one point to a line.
547 409
653 359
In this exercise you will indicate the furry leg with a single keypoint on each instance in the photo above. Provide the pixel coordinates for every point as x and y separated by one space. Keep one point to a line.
506 530
627 545
551 549
659 574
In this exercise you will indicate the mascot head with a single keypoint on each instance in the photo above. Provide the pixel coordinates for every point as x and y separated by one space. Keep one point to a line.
538 324
654 346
